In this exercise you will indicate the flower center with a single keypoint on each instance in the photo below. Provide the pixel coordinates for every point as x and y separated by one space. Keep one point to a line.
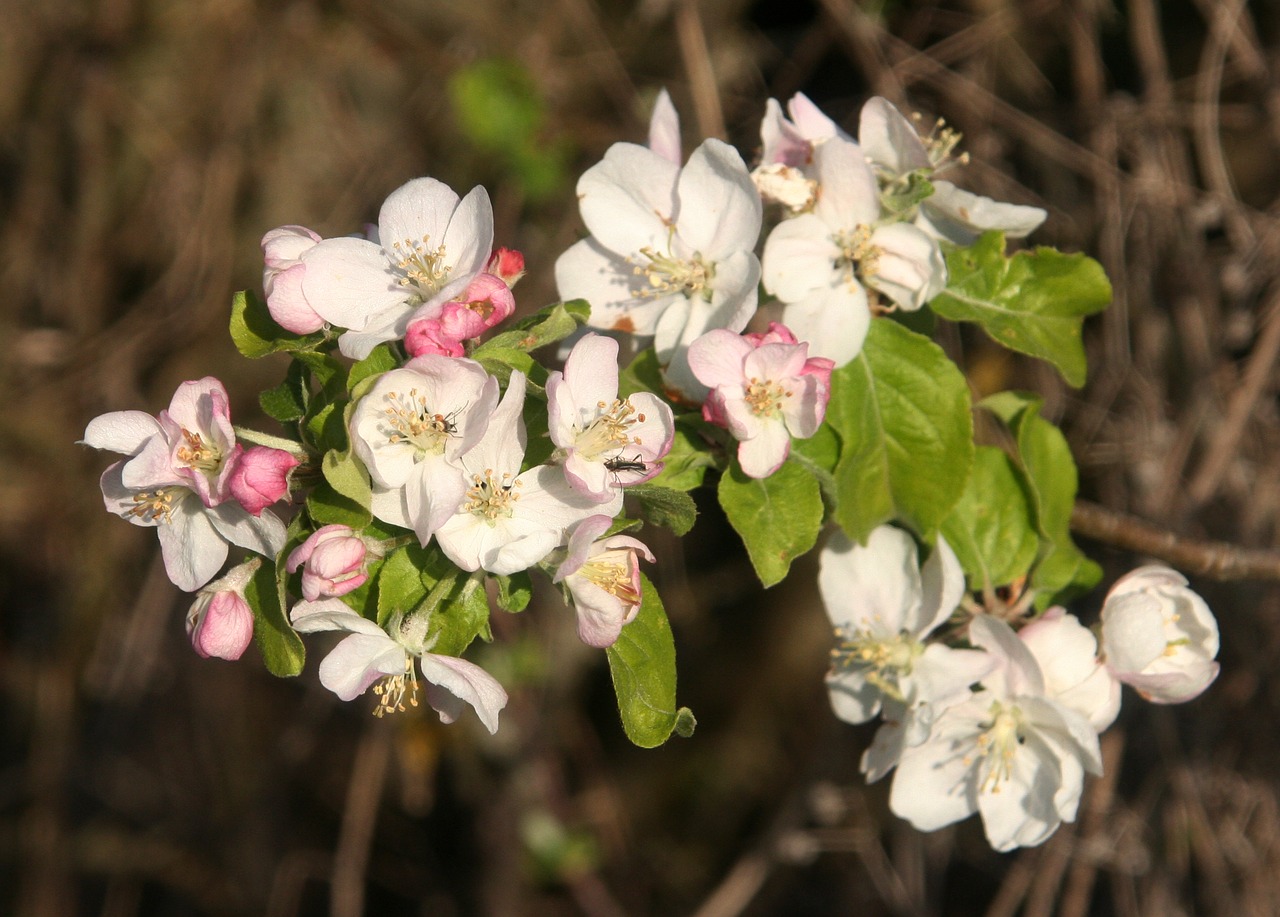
154 506
391 690
857 257
881 660
489 498
999 744
611 570
765 398
668 275
413 422
940 143
198 455
609 432
421 267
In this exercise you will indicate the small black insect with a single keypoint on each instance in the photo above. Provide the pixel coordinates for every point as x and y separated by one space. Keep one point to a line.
620 463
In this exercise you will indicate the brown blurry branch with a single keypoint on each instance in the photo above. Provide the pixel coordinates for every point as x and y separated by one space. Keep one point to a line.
1213 559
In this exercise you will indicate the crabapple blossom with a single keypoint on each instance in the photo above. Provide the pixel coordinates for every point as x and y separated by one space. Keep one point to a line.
333 557
509 521
896 150
603 579
507 264
671 252
765 389
220 621
884 604
1158 636
821 264
1067 652
282 251
383 659
176 479
786 158
411 428
608 442
261 477
430 244
1009 752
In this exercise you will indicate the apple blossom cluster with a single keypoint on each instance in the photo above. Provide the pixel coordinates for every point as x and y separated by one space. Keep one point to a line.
721 325
1006 723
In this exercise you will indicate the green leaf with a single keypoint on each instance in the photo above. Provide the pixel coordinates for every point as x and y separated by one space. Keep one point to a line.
1034 302
902 412
992 527
380 360
401 586
553 323
256 334
460 618
280 645
1050 471
287 402
671 509
514 591
643 665
643 374
686 464
778 517
328 507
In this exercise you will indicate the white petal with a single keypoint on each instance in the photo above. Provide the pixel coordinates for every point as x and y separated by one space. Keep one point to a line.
263 534
942 587
462 681
871 588
934 786
193 550
349 282
834 321
799 257
419 208
849 195
890 140
121 431
720 208
469 239
609 283
332 614
628 199
359 661
961 216
664 129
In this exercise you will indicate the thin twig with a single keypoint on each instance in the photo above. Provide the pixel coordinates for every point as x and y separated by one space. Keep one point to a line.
697 64
359 817
1212 559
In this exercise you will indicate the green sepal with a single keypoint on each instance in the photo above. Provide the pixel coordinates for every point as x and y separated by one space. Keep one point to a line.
281 647
551 324
643 664
256 334
992 527
671 509
901 409
1034 302
907 192
514 591
778 517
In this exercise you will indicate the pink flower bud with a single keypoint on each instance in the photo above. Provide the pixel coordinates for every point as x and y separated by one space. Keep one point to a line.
261 477
282 251
334 556
220 622
486 301
508 264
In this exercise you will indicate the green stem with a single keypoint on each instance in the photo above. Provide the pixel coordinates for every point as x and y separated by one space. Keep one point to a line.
253 437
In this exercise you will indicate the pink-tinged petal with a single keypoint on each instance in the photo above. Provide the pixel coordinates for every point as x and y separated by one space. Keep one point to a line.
716 358
360 660
193 550
890 140
302 553
589 478
590 378
508 264
350 284
781 140
284 245
720 208
804 411
333 614
126 432
664 129
417 212
579 548
764 453
462 681
261 477
628 199
849 195
961 216
222 627
288 304
810 121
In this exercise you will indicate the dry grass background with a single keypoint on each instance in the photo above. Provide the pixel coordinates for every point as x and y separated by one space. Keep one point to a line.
146 145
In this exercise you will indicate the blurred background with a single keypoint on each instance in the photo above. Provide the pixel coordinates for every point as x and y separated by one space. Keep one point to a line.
146 146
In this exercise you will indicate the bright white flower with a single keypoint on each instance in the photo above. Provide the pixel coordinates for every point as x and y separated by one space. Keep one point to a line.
382 659
176 479
764 389
429 245
1159 636
671 252
509 521
603 578
411 430
608 442
897 151
1067 652
1010 752
820 265
883 605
